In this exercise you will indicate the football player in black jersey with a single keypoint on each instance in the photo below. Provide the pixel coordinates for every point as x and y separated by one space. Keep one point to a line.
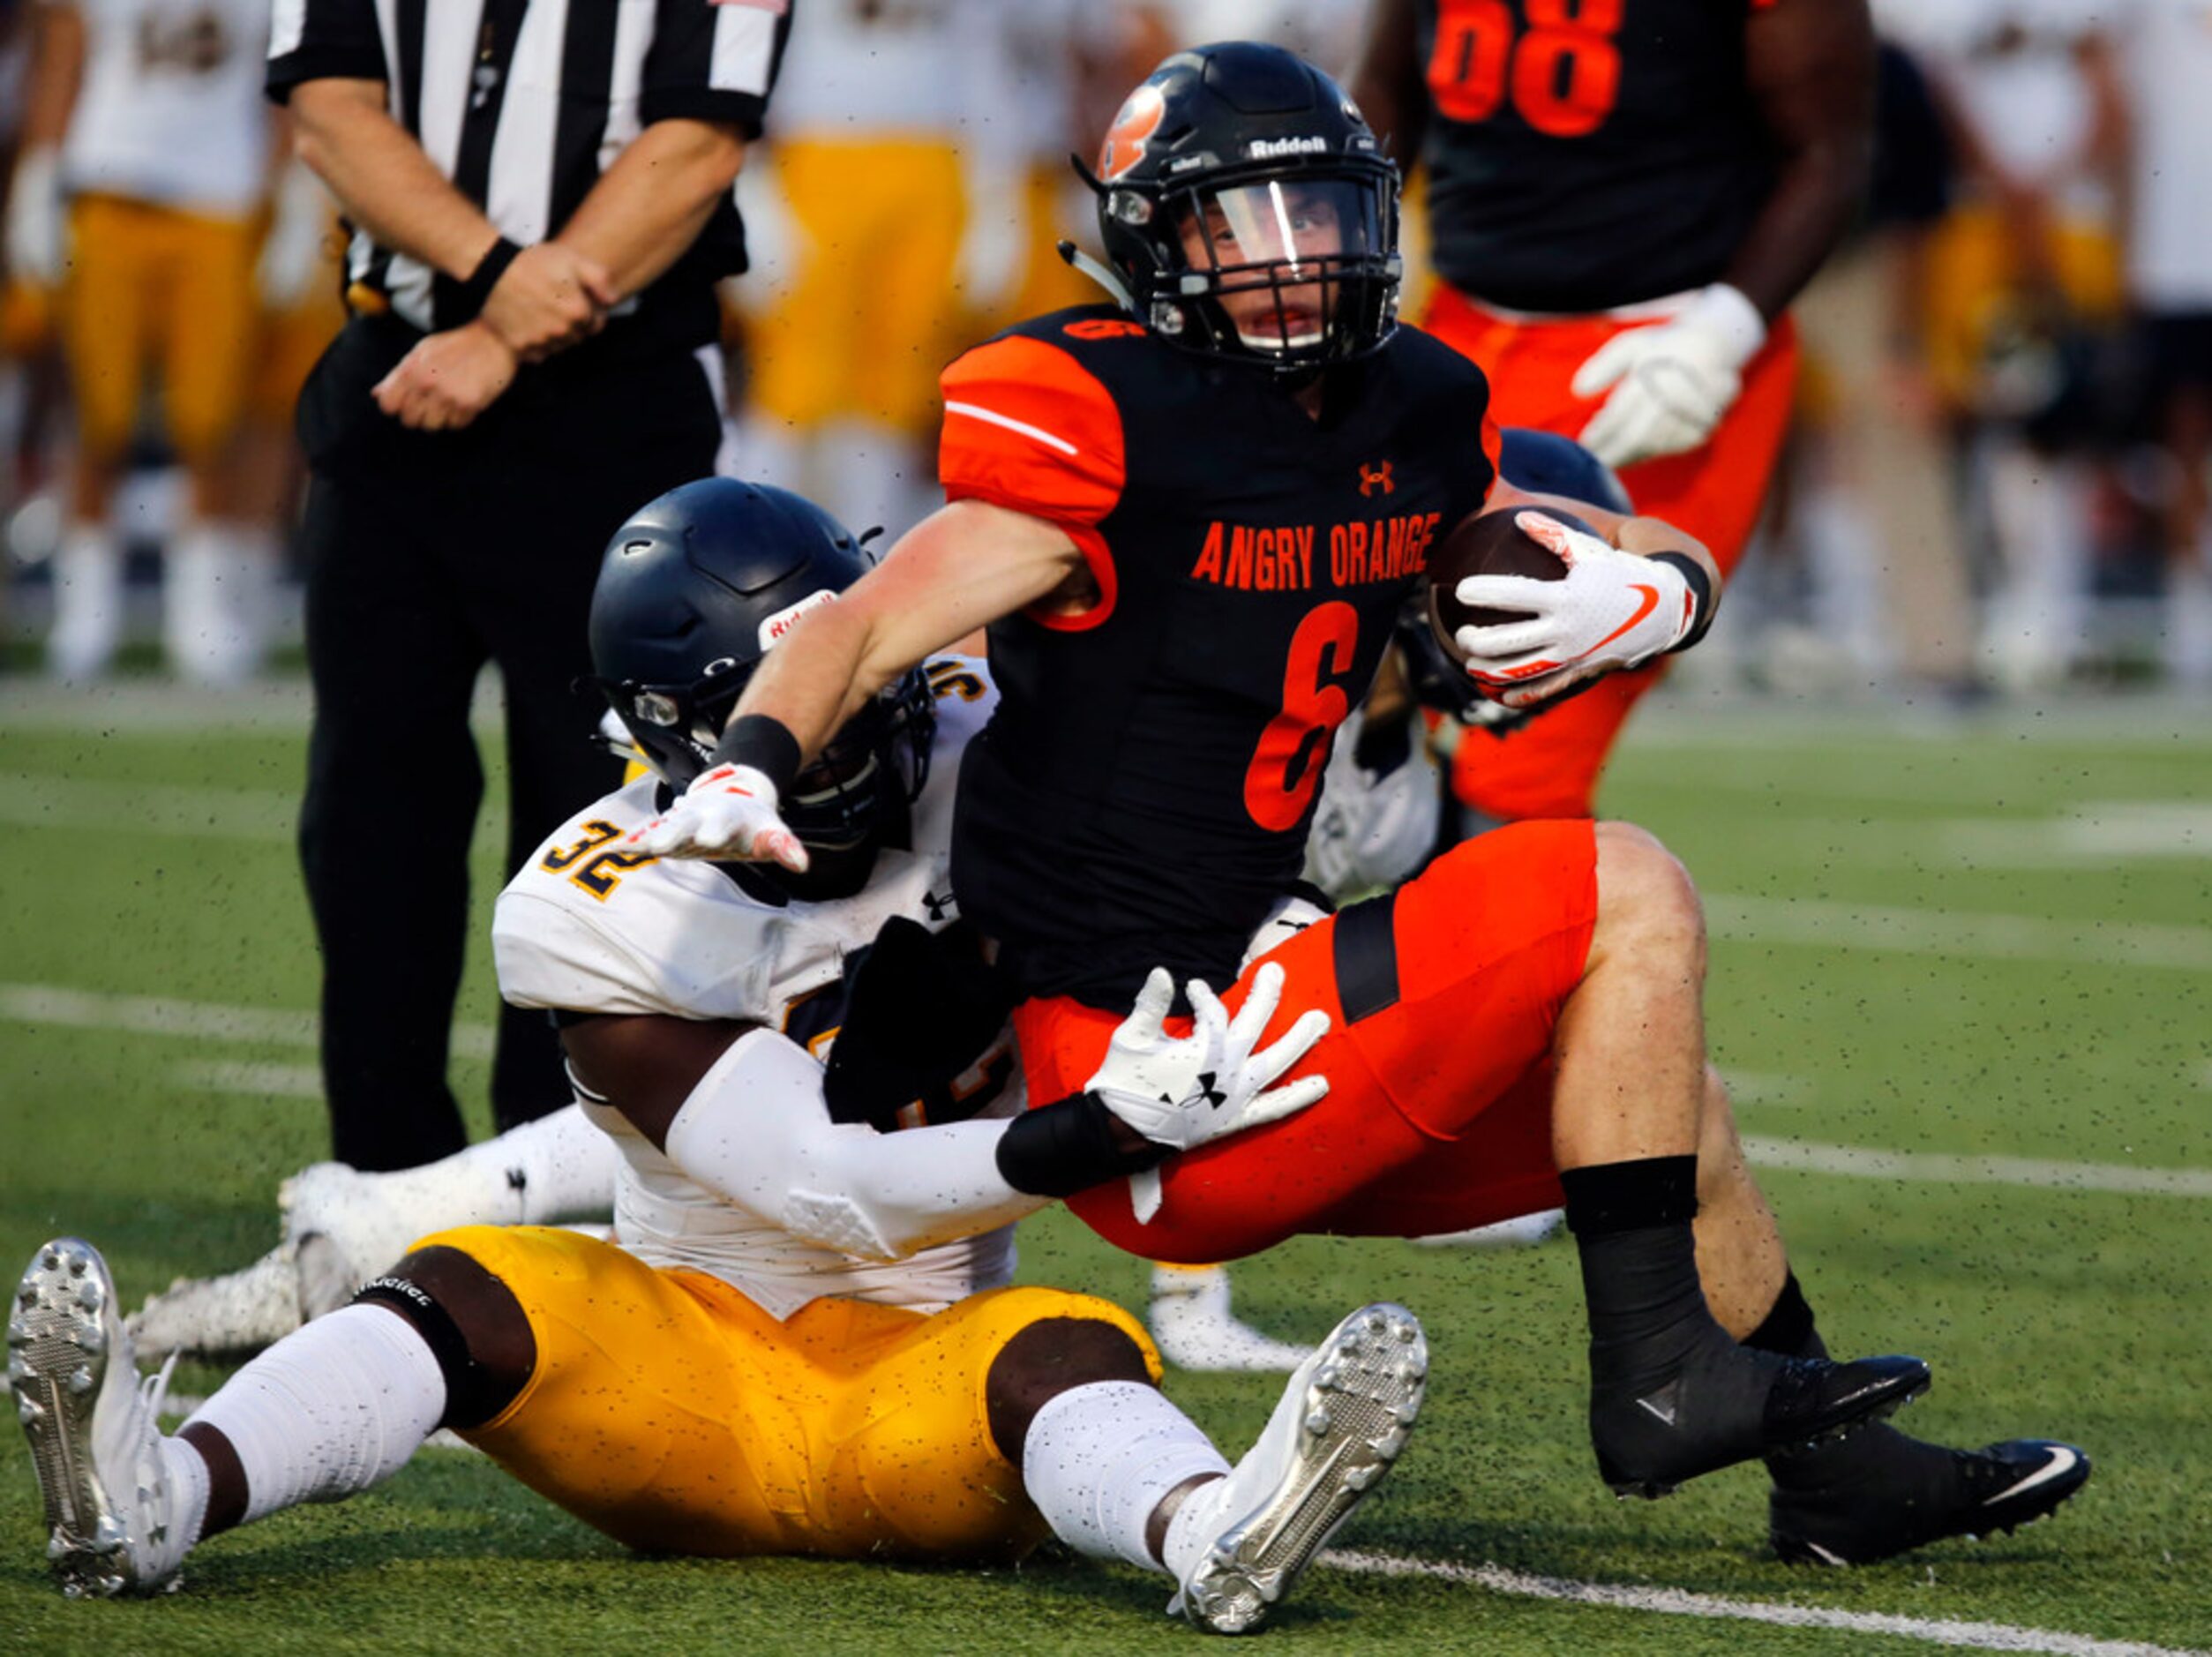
1189 520
1623 196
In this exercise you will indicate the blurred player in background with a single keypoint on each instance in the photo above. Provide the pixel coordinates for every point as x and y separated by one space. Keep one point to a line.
868 217
139 200
2156 59
2021 274
1623 196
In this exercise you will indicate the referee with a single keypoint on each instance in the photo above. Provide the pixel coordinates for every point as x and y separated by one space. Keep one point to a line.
540 193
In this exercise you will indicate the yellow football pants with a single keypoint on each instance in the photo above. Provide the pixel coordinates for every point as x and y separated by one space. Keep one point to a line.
669 1411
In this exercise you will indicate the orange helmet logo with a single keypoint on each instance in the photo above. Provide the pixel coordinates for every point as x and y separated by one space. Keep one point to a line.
1138 120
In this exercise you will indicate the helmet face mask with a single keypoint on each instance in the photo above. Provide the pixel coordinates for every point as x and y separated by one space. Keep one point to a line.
1250 212
693 593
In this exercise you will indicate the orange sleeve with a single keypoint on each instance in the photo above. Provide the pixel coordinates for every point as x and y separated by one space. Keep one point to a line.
1490 449
1028 428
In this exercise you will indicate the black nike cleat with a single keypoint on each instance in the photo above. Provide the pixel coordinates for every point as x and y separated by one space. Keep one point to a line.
1902 1494
1733 1404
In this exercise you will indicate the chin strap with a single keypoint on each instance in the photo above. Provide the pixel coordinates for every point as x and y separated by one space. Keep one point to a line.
1085 265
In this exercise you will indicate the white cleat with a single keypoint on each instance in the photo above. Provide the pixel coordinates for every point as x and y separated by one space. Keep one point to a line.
1192 1326
345 1230
1524 1232
1343 1420
95 1446
238 1313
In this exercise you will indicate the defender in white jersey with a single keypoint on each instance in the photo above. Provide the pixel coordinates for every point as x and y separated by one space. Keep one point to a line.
799 1343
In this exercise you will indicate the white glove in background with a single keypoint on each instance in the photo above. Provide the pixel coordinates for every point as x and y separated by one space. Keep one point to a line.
38 220
292 252
1672 380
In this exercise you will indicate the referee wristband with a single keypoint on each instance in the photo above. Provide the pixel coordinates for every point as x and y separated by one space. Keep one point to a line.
1700 591
1068 1146
766 745
470 296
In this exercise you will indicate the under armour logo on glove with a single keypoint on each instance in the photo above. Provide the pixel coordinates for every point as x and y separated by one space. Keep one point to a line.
1185 1090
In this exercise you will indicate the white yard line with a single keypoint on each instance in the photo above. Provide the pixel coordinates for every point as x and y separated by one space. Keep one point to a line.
1680 1603
1825 923
1936 1168
207 1021
281 1081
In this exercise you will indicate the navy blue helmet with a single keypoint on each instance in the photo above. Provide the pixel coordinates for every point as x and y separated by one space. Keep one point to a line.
693 592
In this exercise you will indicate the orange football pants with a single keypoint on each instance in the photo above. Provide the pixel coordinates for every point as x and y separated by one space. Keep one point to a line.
1442 998
1550 767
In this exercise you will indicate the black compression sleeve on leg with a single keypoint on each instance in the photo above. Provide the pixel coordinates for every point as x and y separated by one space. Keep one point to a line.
1630 1195
1068 1146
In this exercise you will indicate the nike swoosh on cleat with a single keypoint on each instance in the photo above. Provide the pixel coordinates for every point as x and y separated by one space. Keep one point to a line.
2062 1462
1827 1556
1665 1415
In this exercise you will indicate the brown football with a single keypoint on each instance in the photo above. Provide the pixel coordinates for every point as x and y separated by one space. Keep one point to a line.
1489 544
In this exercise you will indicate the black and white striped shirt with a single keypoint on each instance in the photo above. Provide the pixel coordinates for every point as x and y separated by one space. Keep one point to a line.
523 103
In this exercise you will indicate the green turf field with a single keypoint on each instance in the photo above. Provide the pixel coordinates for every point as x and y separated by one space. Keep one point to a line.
1986 947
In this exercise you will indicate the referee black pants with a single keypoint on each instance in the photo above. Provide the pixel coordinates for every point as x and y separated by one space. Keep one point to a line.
428 555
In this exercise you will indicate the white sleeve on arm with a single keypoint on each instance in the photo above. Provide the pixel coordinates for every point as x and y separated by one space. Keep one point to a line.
755 1130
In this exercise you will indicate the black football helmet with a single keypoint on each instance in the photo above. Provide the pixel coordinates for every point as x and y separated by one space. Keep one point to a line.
1238 169
693 592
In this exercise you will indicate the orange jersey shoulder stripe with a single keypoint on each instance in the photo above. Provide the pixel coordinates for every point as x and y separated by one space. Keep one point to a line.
1028 428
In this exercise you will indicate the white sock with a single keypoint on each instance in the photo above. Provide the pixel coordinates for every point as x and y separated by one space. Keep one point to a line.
87 602
557 1167
1099 1459
329 1410
188 1488
215 609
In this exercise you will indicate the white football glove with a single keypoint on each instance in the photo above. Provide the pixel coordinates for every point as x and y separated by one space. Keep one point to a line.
1185 1090
1611 610
1372 828
38 219
1673 380
727 815
292 252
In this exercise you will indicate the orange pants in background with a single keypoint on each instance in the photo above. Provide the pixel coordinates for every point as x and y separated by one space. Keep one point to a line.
1550 767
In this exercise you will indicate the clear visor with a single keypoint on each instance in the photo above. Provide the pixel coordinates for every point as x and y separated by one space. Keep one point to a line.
1274 249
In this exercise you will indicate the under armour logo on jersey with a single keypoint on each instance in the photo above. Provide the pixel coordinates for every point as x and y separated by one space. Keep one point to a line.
1375 477
938 907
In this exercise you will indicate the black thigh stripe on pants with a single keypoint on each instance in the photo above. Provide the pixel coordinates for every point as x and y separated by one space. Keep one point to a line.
1364 946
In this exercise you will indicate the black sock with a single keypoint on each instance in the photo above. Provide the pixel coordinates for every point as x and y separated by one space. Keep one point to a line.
1868 1455
1788 1327
1631 1196
1639 1266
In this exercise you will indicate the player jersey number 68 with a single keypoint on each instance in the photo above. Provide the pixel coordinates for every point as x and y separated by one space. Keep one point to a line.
1562 71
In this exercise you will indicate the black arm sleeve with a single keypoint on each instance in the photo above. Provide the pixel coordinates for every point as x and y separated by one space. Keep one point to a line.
323 40
713 62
